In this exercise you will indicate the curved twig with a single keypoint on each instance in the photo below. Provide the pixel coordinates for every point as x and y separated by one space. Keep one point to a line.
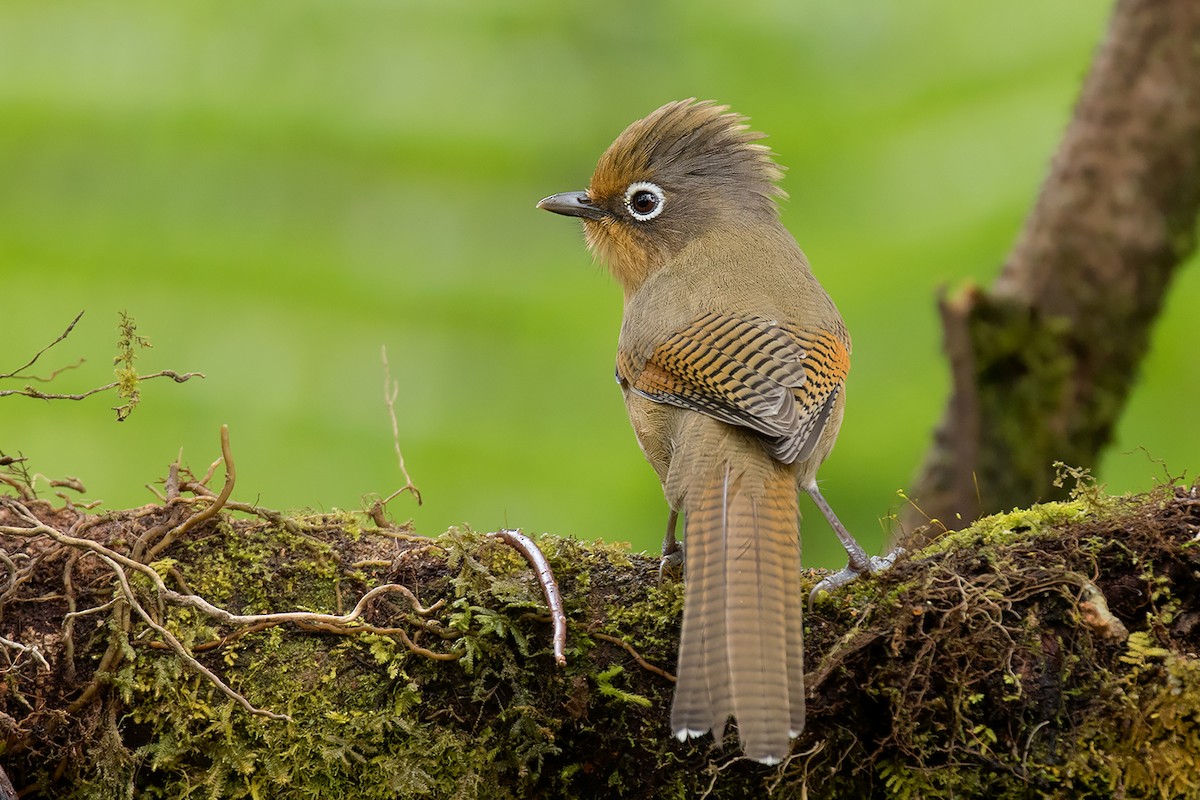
109 661
643 663
213 507
195 601
182 652
32 651
72 612
16 372
354 630
528 548
390 391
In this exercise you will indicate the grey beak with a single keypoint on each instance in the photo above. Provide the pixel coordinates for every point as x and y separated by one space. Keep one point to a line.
572 204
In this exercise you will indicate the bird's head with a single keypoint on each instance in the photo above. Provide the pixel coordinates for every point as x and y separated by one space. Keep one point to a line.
687 170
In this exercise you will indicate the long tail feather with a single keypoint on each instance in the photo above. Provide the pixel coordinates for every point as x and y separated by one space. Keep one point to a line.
741 648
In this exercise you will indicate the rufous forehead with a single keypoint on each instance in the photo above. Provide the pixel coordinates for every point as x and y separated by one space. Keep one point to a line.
613 175
698 140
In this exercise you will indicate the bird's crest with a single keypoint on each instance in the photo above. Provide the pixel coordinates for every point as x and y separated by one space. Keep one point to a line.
690 141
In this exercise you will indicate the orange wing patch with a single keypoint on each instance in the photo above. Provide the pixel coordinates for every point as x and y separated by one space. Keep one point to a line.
827 365
747 372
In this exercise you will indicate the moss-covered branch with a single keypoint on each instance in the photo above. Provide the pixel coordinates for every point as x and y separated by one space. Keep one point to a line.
1039 653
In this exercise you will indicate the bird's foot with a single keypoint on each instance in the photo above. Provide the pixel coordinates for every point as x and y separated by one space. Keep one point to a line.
671 563
872 566
672 551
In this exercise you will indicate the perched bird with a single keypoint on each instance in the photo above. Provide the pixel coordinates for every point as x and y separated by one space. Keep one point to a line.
732 360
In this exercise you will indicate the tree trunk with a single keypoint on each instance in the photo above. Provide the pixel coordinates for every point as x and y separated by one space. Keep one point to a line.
1043 363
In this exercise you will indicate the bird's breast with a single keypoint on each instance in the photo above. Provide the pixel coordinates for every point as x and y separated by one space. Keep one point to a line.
653 424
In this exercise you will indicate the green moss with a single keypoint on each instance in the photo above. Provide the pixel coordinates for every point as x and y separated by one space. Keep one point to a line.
260 568
182 738
604 682
1003 529
970 669
1146 742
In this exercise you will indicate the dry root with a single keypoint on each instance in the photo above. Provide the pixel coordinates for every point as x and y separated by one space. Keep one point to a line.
44 535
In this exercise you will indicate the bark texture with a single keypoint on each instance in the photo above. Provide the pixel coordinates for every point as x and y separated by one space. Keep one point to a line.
1042 363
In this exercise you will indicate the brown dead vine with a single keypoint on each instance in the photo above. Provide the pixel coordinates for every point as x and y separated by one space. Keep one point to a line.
139 593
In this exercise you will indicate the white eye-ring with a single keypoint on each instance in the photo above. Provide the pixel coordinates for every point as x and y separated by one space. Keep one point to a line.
644 200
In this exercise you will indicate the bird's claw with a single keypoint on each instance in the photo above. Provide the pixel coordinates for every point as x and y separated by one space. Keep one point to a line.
671 563
874 565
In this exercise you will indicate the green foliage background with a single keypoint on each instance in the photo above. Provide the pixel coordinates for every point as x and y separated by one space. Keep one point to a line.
275 189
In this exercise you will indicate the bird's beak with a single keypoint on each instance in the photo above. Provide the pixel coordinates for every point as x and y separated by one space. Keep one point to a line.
572 204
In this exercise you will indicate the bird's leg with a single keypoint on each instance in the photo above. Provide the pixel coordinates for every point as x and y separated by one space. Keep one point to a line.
672 550
860 562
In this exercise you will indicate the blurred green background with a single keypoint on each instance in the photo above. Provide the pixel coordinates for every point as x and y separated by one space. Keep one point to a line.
276 189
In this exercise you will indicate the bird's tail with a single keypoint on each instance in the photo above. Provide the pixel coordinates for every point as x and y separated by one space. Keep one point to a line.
741 650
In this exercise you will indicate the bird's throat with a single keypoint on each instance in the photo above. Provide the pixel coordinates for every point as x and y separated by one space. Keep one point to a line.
628 258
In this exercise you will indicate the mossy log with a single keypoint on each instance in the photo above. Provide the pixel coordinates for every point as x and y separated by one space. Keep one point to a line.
1041 653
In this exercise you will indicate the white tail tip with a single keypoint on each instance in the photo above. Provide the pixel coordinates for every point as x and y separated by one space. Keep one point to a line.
683 734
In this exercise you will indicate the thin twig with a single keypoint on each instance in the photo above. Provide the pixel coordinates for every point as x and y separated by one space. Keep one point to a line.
53 373
37 394
416 604
33 652
109 661
212 468
38 355
172 485
23 487
69 618
182 652
16 575
643 663
68 482
213 644
71 615
400 535
274 517
526 547
11 576
192 600
152 533
391 390
195 601
213 507
177 576
355 630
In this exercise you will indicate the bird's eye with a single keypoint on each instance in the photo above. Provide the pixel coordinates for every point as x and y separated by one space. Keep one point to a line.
644 200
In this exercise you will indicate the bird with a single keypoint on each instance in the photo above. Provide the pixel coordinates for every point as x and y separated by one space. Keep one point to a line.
732 360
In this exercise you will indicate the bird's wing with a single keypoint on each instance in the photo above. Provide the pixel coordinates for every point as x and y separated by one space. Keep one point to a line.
779 381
